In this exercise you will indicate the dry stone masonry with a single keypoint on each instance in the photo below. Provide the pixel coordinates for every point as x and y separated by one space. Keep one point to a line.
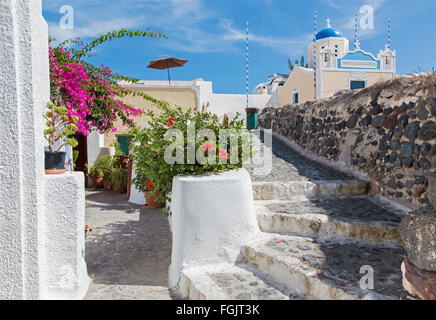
387 131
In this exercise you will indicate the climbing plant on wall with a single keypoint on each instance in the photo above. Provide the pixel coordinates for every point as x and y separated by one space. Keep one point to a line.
92 93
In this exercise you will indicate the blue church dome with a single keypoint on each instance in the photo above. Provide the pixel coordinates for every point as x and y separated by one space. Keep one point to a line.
328 33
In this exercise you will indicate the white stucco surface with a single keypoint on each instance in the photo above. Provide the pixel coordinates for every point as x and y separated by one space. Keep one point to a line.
136 196
95 142
230 104
96 149
41 218
24 92
64 238
212 217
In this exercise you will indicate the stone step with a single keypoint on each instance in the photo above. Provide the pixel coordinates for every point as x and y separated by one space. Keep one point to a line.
289 190
126 292
229 282
360 218
328 270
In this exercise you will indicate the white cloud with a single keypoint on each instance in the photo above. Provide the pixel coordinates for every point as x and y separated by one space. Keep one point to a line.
294 46
94 28
346 5
190 24
346 21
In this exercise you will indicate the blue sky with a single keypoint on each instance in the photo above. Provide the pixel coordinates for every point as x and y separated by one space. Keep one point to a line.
211 34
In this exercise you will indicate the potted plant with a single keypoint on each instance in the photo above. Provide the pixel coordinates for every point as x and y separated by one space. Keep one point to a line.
96 175
107 183
105 165
154 199
59 127
122 161
119 179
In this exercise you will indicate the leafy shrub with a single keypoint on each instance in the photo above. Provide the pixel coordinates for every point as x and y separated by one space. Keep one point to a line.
75 156
96 172
105 165
150 144
117 147
119 179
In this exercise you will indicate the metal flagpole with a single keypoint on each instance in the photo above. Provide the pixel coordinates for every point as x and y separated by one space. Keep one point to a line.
246 69
356 40
389 32
314 52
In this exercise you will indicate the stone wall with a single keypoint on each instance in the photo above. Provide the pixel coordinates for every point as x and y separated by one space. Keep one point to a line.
386 132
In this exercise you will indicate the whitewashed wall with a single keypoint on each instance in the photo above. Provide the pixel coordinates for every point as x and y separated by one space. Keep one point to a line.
230 104
62 239
24 92
213 216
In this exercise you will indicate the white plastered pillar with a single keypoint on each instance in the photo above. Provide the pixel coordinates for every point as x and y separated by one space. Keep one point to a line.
24 222
24 91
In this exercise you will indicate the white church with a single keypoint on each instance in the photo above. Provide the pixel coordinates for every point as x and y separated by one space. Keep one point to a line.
333 67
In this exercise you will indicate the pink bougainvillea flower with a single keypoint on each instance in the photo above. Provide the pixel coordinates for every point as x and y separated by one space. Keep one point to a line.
88 93
224 154
114 129
207 146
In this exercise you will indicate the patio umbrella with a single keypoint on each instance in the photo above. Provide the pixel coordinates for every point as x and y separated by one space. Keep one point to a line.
167 63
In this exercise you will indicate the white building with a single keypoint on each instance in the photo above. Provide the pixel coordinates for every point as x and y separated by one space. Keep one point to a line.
271 87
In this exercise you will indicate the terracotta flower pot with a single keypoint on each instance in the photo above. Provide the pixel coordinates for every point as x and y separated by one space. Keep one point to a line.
96 181
151 203
107 185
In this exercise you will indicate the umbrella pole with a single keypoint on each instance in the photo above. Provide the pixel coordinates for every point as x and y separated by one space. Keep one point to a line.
168 69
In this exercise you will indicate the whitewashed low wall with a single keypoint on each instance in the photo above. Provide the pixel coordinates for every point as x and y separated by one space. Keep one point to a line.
64 272
136 196
230 104
212 218
96 148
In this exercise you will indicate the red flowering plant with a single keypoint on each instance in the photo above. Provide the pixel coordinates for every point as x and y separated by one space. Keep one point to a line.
142 183
92 94
168 147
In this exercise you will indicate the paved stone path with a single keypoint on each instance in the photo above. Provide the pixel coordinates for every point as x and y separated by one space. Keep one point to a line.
314 243
128 251
289 165
313 247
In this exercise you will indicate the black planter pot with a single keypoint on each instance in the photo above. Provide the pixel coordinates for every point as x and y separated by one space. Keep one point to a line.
54 162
